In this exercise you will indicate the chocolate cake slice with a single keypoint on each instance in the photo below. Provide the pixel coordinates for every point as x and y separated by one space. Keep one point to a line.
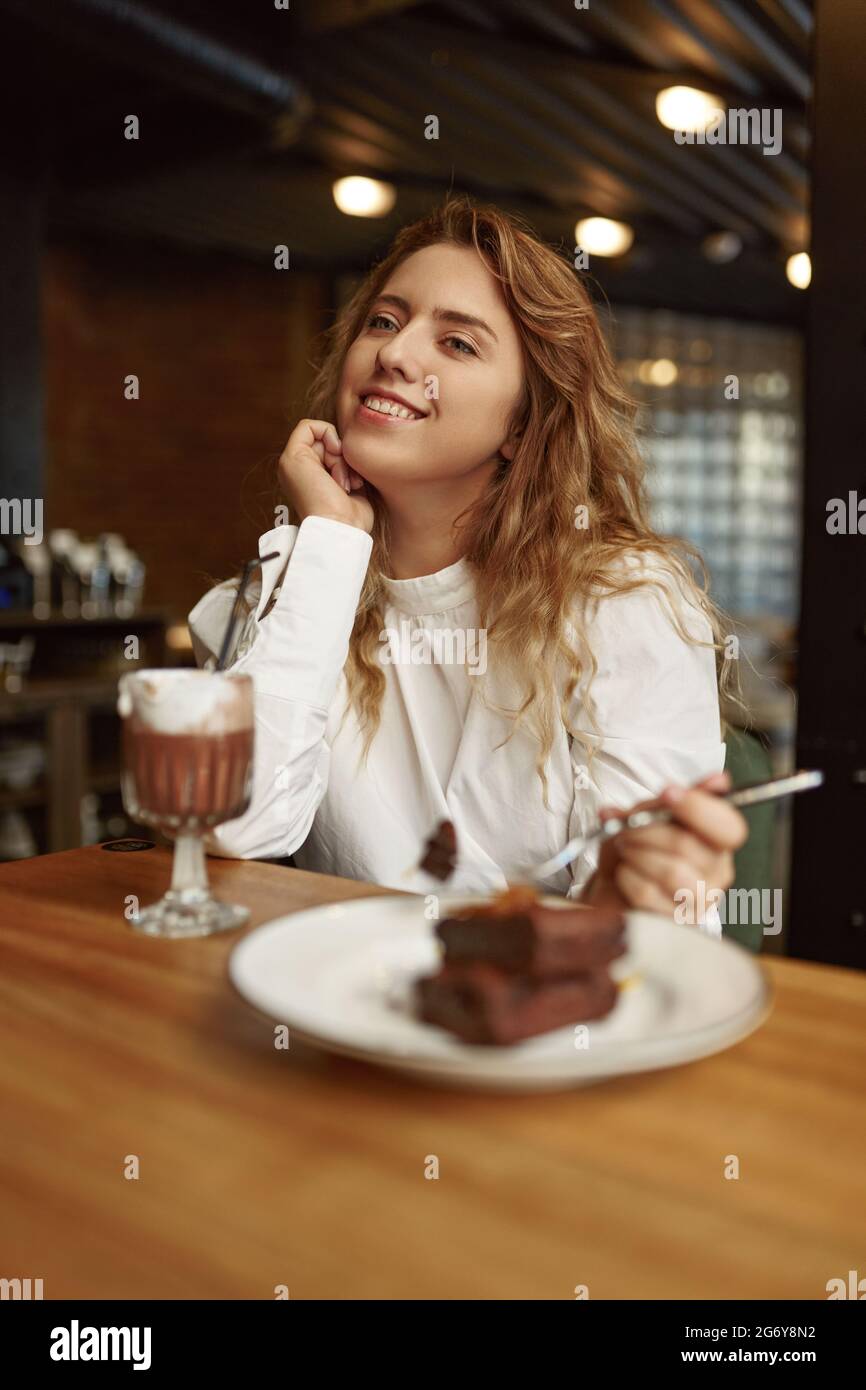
440 852
523 936
481 1004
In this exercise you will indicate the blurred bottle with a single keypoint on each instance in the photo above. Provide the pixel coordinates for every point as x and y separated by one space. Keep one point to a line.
38 562
15 659
65 596
90 561
113 550
128 573
91 579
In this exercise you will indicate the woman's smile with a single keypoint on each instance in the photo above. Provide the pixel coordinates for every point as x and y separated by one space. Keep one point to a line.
385 408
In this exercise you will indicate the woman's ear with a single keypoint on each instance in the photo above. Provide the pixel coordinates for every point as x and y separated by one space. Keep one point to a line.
507 449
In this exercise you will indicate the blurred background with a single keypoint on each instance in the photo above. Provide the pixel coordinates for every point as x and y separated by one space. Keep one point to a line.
189 191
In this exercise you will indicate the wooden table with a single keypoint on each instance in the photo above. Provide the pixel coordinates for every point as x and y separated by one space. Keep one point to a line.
261 1168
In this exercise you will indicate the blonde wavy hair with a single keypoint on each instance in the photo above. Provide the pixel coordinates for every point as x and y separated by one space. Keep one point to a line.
576 446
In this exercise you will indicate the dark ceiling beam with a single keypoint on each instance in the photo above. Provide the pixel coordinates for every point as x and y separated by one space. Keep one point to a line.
723 182
592 190
674 194
542 142
776 55
635 40
718 182
653 80
740 76
438 183
612 80
755 172
359 100
790 23
543 62
391 98
593 80
800 13
394 93
337 14
726 199
648 76
473 12
569 34
135 36
356 130
384 148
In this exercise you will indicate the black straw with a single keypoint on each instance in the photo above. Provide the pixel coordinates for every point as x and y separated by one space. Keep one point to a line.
236 607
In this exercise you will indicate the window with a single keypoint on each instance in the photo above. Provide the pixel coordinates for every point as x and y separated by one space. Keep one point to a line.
721 431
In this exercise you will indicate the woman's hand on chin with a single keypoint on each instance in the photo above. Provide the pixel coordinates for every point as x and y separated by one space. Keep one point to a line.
664 867
317 480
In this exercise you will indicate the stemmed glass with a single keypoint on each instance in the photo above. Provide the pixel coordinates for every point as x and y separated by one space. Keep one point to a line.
187 767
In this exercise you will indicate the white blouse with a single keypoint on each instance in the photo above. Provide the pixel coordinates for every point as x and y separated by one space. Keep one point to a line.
435 755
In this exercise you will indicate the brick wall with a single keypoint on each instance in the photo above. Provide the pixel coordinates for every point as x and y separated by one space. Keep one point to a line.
221 348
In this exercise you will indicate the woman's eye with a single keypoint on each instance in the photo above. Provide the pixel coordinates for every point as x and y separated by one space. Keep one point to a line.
463 348
467 348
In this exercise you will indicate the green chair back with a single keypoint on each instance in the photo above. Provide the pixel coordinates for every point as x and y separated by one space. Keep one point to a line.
748 761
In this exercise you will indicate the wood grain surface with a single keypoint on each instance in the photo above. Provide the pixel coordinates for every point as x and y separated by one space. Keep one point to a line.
261 1168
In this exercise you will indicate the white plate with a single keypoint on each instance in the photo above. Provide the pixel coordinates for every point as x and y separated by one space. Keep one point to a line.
340 977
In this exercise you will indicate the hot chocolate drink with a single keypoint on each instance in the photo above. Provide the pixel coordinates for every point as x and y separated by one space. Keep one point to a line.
187 749
186 779
188 766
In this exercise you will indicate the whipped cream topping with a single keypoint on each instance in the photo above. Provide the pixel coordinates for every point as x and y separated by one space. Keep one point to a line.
186 702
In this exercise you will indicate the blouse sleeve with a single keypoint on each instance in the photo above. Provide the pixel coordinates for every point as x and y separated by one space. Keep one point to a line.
654 699
294 645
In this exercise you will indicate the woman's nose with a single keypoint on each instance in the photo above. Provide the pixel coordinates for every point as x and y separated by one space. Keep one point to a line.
401 352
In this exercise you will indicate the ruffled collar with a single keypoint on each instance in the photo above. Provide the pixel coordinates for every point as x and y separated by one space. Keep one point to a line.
432 593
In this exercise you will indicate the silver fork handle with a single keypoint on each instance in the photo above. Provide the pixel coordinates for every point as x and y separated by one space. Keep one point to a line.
752 795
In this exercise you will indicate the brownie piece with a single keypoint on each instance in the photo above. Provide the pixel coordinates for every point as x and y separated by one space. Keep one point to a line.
440 854
541 942
481 1004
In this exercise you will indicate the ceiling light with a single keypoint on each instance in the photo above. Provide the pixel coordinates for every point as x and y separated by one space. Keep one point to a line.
799 270
361 197
601 236
722 247
687 108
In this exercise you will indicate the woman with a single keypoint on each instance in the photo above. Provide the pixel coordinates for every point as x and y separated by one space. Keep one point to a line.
472 618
